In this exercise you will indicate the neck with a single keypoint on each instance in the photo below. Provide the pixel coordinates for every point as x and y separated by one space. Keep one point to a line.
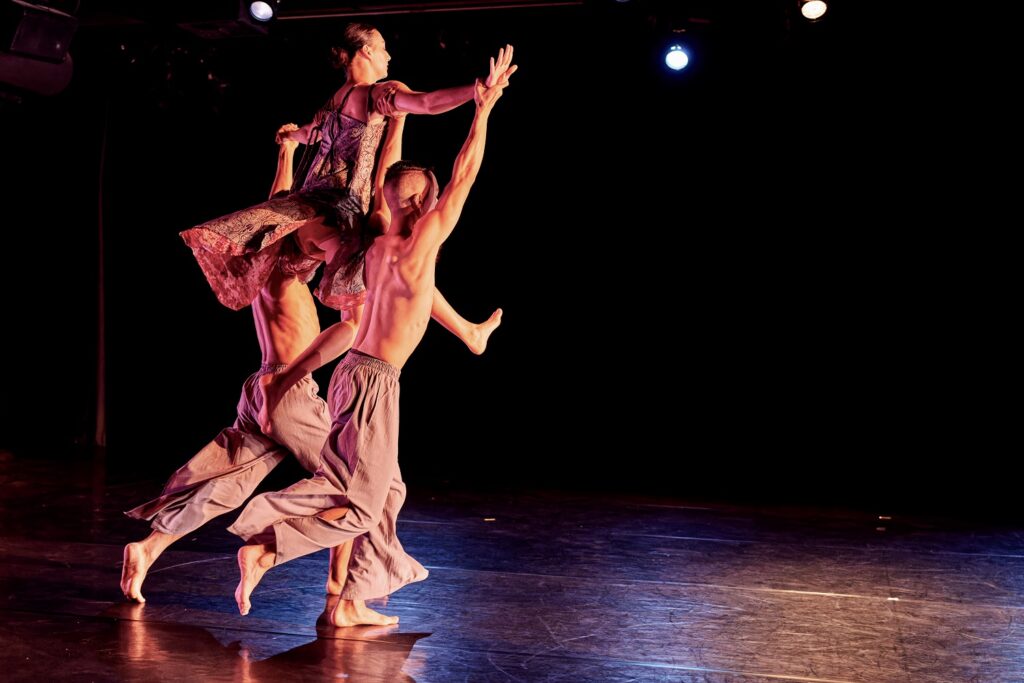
400 226
359 74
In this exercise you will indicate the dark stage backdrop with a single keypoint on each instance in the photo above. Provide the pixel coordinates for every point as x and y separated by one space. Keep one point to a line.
702 294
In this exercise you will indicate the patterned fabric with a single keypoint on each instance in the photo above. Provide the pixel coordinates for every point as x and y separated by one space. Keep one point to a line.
238 252
346 155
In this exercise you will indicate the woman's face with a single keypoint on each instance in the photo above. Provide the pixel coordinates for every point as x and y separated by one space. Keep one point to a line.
378 54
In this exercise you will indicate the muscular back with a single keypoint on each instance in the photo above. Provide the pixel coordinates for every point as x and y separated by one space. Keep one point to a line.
400 289
399 267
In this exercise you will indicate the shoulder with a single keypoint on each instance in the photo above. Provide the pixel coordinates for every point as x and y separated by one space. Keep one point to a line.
388 89
428 224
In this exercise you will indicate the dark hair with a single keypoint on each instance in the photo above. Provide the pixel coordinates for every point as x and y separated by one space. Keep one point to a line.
352 38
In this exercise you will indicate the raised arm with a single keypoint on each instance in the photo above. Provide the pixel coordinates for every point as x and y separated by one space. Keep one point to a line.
435 227
329 344
380 215
285 159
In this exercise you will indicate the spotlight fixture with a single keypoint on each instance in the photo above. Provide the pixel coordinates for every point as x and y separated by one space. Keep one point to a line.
40 32
676 57
813 9
264 10
34 41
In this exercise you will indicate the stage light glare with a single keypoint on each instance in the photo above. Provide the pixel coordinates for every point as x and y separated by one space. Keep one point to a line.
261 11
676 58
813 9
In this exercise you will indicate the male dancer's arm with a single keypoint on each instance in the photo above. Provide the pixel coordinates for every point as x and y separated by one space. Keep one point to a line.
329 344
435 227
285 159
390 153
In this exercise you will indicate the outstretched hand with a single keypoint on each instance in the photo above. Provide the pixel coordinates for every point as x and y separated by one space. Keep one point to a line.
501 69
283 138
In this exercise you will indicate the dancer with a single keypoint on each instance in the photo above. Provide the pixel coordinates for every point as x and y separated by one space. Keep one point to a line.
225 472
359 483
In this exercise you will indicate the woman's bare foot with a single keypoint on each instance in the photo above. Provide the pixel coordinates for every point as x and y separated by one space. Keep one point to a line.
253 563
479 334
356 613
133 572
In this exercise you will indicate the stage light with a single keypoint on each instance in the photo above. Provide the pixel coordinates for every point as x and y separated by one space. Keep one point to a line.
34 41
263 10
676 58
813 9
41 32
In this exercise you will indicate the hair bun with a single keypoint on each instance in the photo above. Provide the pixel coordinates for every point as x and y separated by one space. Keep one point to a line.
339 58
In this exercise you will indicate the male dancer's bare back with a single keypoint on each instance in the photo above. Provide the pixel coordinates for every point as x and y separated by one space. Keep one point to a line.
399 274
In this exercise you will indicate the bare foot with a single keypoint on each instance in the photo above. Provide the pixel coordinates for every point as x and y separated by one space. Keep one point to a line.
356 613
477 341
325 617
133 571
253 563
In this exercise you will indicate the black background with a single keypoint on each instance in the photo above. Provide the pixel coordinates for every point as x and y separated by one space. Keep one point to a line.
709 285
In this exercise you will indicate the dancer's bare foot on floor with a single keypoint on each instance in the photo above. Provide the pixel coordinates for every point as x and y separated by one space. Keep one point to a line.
133 572
477 341
356 613
325 618
253 563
